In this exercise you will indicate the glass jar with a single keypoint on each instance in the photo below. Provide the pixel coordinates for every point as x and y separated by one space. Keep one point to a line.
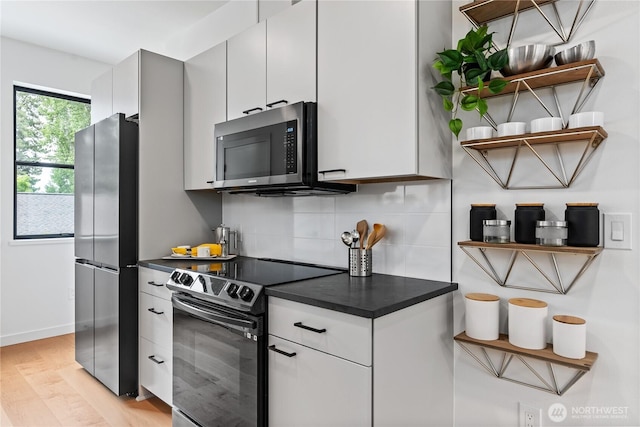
526 216
479 212
583 224
496 231
551 233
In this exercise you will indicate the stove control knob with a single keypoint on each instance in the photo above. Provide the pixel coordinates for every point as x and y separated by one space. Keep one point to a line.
246 294
186 280
232 290
175 276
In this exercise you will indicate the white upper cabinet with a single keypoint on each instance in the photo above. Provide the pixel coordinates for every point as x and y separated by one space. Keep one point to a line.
205 104
102 97
246 71
291 55
377 116
126 86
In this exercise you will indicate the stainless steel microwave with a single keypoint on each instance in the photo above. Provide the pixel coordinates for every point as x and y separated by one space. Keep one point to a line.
272 153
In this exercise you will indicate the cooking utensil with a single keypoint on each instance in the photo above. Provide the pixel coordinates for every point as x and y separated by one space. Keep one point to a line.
370 239
526 58
347 238
356 236
363 228
380 231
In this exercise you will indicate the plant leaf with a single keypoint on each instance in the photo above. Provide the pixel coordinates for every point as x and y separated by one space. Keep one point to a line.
455 125
472 74
498 59
469 102
482 107
447 104
451 59
482 61
444 88
497 85
480 84
444 71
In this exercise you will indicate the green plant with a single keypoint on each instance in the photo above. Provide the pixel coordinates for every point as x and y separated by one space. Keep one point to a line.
472 60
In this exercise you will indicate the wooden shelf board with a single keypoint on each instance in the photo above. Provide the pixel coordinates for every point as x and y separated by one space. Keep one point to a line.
546 354
483 11
554 137
552 76
533 248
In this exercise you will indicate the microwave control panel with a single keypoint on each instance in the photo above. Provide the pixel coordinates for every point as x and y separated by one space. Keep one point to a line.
290 148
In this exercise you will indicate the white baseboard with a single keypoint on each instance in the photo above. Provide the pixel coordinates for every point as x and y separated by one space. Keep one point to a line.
36 335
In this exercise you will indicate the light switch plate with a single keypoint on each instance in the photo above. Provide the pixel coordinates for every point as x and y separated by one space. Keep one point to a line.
617 230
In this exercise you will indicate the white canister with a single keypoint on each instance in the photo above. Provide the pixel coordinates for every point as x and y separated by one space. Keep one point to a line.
569 336
527 323
482 318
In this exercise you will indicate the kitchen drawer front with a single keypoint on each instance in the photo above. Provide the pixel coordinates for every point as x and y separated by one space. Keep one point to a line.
344 335
153 282
312 388
156 368
156 319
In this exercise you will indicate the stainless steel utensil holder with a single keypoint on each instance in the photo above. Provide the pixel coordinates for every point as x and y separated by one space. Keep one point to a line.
360 262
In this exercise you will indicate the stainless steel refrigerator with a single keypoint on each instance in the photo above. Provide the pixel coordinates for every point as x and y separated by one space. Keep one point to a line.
106 294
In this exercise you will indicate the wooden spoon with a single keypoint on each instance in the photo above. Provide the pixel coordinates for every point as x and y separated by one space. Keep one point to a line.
372 237
362 227
380 230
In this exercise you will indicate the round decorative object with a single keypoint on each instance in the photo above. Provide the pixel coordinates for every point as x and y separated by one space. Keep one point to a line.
482 316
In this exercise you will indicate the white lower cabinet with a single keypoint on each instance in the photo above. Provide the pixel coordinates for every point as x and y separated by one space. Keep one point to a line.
312 388
155 335
404 376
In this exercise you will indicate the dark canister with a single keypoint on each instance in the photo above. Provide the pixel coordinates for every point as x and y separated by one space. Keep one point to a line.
526 216
480 212
583 224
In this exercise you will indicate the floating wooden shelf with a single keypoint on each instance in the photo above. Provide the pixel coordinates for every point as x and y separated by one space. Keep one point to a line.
582 366
554 279
591 137
590 71
481 12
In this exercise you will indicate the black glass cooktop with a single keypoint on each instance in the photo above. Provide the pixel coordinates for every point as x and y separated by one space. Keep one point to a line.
263 271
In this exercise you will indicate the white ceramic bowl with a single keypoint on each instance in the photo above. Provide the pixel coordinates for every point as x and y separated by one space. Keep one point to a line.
511 128
587 118
546 124
479 132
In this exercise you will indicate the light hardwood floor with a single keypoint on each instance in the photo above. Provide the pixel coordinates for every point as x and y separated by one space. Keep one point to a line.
42 385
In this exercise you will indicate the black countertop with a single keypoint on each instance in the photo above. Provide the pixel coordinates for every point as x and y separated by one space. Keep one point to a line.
369 297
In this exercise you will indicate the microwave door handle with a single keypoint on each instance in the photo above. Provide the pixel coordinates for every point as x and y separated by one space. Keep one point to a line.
211 316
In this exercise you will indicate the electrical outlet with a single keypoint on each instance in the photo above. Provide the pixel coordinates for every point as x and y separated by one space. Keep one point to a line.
72 294
530 416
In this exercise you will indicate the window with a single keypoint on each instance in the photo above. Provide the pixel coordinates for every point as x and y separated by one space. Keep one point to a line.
45 124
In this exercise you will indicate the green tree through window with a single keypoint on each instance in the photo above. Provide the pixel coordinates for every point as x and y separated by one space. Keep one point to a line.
45 126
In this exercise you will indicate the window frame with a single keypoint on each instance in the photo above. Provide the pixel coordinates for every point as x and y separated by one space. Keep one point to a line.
16 163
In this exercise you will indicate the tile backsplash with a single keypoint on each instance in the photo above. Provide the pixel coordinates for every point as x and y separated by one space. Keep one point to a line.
417 216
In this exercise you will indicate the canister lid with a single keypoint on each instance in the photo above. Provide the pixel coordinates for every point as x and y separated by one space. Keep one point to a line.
482 297
525 205
496 222
552 224
581 204
528 302
483 205
571 320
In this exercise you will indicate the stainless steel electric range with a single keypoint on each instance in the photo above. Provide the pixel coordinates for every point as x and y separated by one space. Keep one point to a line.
219 345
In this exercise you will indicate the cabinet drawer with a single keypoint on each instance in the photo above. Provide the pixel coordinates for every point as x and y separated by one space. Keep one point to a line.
153 282
300 384
156 369
156 319
336 333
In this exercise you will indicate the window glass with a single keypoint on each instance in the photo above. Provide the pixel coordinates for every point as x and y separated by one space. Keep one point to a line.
45 127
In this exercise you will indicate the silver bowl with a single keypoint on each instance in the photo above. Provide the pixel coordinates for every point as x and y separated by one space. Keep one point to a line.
528 58
581 52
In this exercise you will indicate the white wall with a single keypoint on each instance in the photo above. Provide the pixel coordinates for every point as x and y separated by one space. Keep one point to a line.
607 296
35 276
417 216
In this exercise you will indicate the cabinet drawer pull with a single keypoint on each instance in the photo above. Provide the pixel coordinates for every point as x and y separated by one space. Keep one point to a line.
277 350
309 328
155 360
282 101
332 170
153 310
251 109
152 283
209 182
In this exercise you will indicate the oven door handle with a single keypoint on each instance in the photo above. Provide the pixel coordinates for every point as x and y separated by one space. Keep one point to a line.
211 316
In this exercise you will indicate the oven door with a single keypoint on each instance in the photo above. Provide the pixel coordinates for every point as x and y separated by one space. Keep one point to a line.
218 364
